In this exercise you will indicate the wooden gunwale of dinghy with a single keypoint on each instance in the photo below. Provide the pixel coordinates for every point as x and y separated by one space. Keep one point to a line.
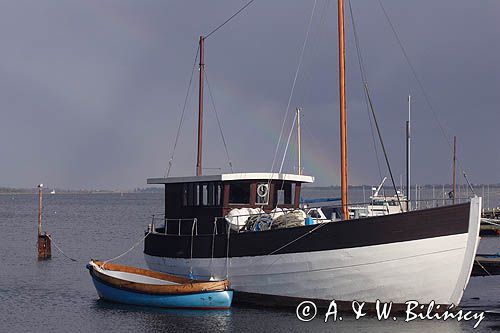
183 285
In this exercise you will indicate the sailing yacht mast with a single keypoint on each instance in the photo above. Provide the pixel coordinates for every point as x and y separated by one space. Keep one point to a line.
343 117
408 147
200 106
298 143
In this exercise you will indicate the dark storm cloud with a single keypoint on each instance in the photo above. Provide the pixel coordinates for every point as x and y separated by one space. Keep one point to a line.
91 92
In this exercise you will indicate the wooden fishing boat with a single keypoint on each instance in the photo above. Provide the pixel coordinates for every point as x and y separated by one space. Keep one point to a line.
132 285
423 255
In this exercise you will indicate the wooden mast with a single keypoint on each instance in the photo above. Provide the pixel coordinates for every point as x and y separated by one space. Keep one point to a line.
200 107
343 117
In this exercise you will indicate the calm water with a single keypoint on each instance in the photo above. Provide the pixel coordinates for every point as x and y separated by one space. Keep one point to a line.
57 295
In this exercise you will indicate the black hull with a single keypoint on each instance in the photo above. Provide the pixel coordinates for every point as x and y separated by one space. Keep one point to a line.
422 224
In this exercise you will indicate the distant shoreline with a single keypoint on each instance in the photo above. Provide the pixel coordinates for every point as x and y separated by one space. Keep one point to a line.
19 191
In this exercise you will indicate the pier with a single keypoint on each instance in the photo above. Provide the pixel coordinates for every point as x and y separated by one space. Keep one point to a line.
493 213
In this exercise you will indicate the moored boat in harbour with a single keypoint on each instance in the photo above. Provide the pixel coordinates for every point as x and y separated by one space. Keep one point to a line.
226 226
137 286
424 255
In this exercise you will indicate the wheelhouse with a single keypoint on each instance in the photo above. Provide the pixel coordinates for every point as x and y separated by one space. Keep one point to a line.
206 198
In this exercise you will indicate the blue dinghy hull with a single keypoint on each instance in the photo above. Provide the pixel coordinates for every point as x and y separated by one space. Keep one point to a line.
137 286
205 300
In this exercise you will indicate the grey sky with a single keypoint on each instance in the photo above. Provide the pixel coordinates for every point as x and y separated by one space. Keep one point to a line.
91 91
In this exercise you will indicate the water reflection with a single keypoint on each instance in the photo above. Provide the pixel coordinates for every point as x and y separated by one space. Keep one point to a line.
151 319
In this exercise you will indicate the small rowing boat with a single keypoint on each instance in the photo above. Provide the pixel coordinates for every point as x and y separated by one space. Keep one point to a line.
132 285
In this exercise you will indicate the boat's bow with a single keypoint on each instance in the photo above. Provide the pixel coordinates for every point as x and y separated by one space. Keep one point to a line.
470 249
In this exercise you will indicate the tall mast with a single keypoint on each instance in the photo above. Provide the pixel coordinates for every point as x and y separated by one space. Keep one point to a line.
408 141
298 142
454 167
343 117
200 106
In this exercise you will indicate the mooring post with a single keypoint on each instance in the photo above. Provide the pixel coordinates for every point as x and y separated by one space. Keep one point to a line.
44 246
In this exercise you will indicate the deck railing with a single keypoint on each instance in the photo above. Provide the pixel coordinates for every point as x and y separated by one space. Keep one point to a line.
159 218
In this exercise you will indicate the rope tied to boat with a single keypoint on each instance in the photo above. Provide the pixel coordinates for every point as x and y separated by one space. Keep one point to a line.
124 253
490 221
482 267
59 249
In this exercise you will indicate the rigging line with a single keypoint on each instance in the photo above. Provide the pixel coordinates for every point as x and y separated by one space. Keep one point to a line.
316 227
229 19
468 183
368 98
182 114
420 85
218 121
364 80
292 90
287 143
314 49
383 146
284 154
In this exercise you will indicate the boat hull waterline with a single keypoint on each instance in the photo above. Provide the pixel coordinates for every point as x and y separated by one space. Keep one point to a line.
423 268
131 288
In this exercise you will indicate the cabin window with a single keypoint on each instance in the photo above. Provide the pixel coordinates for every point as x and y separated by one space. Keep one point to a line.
212 194
204 195
281 197
239 193
197 194
286 193
207 194
190 194
185 195
218 194
262 197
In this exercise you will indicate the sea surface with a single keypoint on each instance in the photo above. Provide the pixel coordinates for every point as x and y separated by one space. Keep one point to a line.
57 295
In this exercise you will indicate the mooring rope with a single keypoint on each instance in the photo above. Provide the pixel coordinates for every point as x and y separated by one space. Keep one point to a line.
133 247
59 249
488 221
484 269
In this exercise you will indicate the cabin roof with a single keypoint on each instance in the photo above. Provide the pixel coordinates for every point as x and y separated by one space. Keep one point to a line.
233 176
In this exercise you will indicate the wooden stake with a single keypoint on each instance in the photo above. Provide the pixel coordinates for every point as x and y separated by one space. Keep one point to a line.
40 192
44 244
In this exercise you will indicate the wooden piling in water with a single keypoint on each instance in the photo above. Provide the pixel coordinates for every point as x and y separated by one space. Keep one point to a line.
44 243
